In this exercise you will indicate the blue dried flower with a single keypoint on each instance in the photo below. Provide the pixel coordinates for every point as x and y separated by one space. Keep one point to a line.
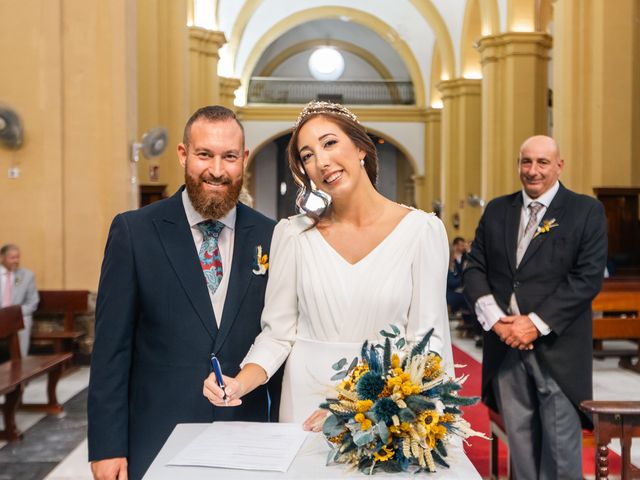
370 386
384 409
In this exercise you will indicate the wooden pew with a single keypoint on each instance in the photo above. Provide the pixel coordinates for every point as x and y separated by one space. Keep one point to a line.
19 370
616 317
67 303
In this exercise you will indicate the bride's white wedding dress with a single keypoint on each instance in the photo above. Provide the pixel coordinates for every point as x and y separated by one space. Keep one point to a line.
320 308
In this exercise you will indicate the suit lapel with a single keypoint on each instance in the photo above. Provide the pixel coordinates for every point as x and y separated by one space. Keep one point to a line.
512 224
555 211
175 235
244 248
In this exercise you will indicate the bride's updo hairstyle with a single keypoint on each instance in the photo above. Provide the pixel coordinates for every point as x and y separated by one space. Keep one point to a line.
347 121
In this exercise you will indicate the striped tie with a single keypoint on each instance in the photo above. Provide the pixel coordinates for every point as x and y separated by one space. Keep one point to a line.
534 208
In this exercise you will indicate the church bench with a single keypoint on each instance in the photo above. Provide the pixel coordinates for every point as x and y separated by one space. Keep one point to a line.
16 373
67 303
616 317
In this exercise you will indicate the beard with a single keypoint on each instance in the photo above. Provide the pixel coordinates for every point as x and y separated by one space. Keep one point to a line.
212 205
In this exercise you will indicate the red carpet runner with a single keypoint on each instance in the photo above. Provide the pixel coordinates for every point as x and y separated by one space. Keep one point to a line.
478 417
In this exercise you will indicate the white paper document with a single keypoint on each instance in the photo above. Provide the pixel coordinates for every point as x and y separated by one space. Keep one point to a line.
244 446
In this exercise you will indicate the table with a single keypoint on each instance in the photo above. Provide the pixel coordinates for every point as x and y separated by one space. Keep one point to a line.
308 464
614 419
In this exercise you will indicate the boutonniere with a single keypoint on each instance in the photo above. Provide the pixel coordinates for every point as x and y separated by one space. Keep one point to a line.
261 262
545 226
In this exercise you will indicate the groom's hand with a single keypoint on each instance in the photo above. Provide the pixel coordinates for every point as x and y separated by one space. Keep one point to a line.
230 397
110 469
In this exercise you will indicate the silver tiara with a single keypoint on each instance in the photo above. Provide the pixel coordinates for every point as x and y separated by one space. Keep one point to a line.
315 108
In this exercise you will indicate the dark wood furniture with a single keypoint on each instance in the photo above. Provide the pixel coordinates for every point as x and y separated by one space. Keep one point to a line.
616 317
152 193
18 371
67 303
614 420
623 221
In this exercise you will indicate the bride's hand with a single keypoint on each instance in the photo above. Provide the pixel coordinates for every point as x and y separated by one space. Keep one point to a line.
315 422
232 389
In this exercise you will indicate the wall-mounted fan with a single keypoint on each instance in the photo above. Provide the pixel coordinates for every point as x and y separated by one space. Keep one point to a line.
153 143
10 128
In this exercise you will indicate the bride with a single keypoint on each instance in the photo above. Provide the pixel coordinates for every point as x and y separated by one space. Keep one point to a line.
339 276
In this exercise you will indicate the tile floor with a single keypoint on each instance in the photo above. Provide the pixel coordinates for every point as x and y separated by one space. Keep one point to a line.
56 448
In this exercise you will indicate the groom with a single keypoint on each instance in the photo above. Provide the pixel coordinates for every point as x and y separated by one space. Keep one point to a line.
179 281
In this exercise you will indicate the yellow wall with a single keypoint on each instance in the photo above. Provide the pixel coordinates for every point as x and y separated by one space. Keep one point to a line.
597 92
72 80
431 191
163 82
461 135
514 103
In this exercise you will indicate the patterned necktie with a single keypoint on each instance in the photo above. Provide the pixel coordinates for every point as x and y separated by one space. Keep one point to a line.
8 287
209 253
534 208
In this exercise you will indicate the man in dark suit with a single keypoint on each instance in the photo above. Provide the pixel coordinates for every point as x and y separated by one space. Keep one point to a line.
180 280
536 264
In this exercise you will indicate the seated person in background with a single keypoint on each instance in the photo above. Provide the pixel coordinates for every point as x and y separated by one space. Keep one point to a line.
455 297
18 287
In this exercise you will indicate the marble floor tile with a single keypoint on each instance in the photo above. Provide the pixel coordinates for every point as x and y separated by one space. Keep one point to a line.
74 467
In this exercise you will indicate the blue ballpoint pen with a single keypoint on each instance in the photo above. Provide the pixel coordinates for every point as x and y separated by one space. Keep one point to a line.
215 364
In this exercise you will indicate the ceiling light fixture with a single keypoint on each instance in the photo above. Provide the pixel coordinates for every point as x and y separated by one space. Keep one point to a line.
326 63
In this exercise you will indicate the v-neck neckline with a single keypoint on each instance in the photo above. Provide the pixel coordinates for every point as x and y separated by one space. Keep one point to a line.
373 250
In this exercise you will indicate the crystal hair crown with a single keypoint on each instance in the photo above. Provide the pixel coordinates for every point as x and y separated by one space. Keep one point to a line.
315 107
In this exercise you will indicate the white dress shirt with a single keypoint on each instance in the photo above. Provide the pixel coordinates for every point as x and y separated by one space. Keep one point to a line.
225 244
4 277
486 307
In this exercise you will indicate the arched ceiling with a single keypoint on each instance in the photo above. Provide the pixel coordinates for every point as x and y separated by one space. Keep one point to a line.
345 36
411 29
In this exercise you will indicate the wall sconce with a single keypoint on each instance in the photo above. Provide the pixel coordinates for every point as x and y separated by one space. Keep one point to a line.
475 201
153 143
10 128
455 221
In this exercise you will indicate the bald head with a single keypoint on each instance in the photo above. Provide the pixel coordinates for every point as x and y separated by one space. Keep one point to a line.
539 164
539 142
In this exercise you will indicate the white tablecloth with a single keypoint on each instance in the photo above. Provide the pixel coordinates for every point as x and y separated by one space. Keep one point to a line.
309 463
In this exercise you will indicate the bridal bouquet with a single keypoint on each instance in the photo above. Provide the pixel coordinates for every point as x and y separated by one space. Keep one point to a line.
395 408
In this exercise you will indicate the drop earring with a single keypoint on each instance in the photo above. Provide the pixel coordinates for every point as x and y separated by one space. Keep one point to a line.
362 163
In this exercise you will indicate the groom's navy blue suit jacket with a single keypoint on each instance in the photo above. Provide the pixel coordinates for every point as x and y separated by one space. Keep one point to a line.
155 331
558 276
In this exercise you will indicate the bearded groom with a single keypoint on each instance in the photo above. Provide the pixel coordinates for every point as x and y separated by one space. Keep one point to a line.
179 282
